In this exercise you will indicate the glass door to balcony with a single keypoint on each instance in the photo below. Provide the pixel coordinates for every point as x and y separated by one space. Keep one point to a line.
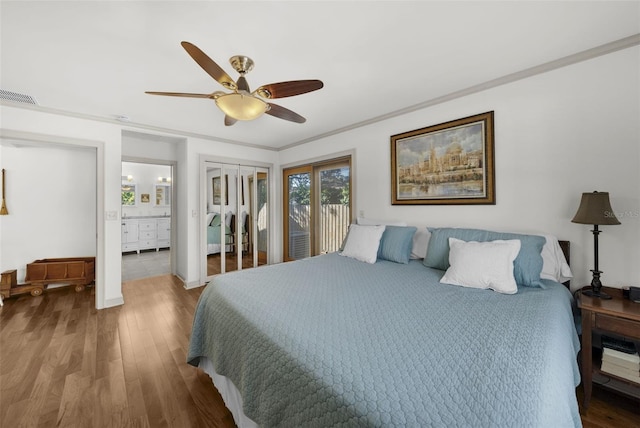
298 237
334 213
317 208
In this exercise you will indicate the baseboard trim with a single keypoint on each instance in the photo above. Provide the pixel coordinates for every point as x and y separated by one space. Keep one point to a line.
191 285
110 303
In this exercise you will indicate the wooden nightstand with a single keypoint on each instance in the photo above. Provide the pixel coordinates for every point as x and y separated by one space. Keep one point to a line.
618 316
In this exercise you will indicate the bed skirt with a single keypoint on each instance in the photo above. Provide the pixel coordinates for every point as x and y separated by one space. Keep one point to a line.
230 394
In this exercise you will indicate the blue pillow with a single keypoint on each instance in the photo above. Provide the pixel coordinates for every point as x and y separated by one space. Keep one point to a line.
396 243
526 267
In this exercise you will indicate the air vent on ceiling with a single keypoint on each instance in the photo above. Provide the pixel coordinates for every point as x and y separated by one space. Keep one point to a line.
16 97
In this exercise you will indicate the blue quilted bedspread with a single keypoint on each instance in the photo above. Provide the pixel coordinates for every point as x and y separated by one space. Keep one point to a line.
213 235
331 341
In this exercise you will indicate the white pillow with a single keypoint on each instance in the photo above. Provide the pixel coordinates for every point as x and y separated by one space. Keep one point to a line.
420 243
228 217
363 242
485 265
554 264
372 222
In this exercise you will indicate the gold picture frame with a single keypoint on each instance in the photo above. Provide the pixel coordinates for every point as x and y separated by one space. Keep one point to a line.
451 163
217 190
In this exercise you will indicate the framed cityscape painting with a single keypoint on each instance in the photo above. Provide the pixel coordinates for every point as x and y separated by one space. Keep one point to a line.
449 163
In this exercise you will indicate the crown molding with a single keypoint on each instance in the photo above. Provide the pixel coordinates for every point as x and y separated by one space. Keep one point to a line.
607 48
127 125
585 55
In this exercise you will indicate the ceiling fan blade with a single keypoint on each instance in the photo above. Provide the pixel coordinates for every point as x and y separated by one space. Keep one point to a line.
208 65
283 113
289 89
180 94
228 120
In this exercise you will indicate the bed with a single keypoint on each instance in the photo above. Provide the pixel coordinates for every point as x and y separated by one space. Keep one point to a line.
214 226
337 341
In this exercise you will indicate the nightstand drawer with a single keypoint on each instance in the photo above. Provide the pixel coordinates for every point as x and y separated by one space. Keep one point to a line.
624 327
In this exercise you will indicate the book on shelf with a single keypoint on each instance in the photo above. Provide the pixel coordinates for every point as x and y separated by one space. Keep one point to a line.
622 372
623 359
621 364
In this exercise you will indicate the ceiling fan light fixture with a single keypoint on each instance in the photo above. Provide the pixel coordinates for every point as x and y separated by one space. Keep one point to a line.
241 106
241 103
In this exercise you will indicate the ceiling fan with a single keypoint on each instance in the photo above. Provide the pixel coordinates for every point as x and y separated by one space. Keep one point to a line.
241 103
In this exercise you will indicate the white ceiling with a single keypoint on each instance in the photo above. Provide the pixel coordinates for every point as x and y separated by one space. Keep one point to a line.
377 59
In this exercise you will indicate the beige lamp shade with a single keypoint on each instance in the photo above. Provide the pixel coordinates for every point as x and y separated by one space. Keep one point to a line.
241 107
595 208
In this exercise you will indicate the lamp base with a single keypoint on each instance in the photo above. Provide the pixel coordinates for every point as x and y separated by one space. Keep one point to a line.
596 293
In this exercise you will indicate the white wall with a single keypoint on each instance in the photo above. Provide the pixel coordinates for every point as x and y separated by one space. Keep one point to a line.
51 198
108 141
105 138
559 134
568 131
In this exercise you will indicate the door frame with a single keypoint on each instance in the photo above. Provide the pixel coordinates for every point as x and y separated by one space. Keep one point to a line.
102 253
174 206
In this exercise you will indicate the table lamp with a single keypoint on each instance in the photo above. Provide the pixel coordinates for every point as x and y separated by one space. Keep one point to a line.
595 209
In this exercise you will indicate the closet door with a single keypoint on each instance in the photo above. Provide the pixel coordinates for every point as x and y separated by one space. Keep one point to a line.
254 216
232 254
215 229
261 216
245 218
222 219
237 217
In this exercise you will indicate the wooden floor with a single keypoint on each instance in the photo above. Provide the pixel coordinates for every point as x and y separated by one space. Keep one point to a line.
63 363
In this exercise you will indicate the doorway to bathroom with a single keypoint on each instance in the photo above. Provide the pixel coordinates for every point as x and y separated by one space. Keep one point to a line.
147 194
